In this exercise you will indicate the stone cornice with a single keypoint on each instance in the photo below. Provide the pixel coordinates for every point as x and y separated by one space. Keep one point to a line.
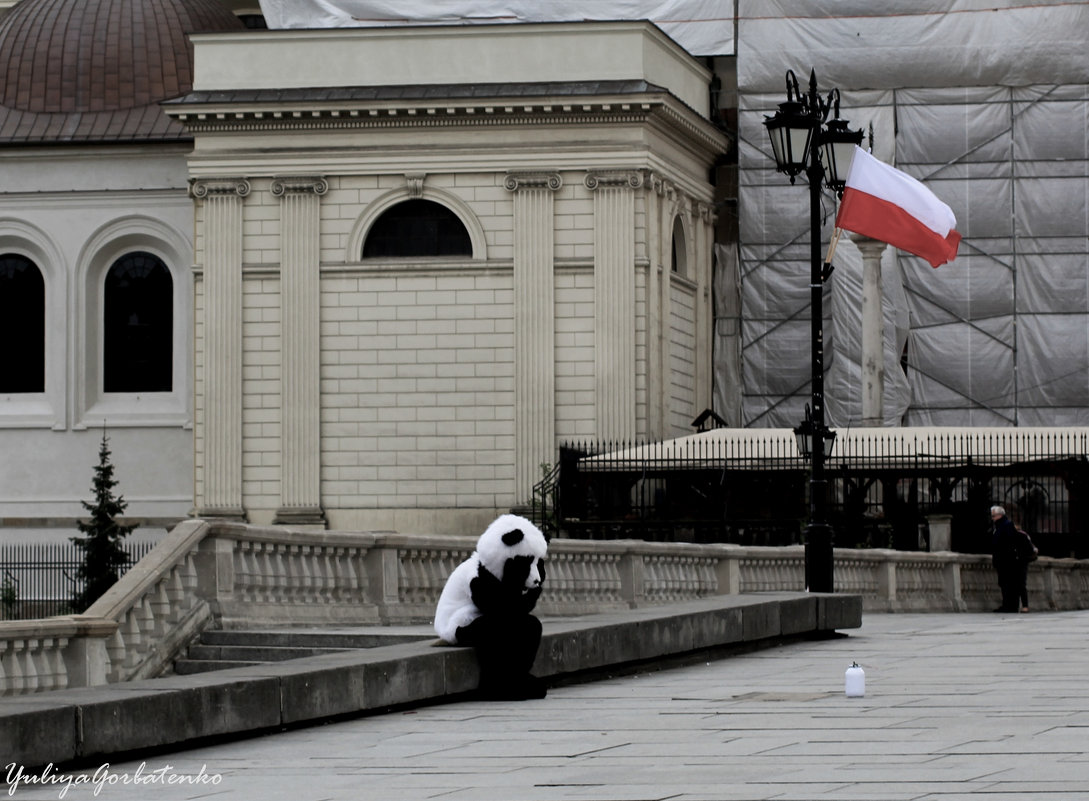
267 116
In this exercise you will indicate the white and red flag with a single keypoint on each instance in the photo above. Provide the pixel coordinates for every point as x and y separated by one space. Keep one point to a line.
883 203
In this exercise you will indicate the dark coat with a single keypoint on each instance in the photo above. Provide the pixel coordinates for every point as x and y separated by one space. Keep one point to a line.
1006 549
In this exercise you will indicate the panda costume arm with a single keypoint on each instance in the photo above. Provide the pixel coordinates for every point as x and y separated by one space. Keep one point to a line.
456 608
501 579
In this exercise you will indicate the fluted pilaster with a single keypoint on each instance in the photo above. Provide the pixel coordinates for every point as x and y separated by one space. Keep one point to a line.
873 332
704 219
221 494
534 331
300 375
614 301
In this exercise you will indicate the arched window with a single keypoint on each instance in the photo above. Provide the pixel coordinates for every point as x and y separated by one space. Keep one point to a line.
680 249
138 325
22 325
417 229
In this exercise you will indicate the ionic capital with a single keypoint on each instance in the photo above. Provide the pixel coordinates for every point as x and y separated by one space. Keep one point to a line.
299 185
201 188
532 180
632 179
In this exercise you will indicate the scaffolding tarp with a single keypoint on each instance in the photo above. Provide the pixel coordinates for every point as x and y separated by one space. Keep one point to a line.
987 104
702 27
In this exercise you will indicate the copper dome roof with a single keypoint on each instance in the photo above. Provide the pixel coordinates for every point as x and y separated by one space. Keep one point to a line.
95 70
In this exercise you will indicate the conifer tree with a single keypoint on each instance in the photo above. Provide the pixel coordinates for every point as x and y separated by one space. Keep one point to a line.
104 559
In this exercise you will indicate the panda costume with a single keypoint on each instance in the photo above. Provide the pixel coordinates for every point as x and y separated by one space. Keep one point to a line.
487 602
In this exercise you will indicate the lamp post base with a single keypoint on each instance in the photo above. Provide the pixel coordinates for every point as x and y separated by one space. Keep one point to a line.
818 558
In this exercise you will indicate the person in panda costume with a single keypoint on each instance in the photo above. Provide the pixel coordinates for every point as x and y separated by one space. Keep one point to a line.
487 602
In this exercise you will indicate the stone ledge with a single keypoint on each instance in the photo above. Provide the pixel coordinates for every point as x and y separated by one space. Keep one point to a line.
85 725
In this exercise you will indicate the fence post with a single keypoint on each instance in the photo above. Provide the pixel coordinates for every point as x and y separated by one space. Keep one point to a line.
383 577
886 580
952 587
728 574
86 660
214 562
632 578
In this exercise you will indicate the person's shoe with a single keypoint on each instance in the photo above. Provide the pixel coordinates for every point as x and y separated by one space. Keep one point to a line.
1024 610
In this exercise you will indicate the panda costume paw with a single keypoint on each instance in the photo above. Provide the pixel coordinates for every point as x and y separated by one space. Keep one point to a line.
487 604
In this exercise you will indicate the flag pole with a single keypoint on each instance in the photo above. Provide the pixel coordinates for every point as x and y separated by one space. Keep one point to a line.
832 243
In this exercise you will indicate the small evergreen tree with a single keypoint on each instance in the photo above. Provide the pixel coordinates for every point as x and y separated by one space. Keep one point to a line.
103 557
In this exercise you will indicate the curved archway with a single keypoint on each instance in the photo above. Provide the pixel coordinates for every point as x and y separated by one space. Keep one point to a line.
118 252
44 406
22 320
417 228
138 325
679 248
453 205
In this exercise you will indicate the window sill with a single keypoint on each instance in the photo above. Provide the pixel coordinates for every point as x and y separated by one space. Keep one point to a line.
28 410
123 410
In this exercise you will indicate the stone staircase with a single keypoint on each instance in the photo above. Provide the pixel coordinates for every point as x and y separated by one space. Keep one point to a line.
218 649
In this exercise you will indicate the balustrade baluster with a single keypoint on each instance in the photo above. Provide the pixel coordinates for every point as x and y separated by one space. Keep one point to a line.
115 649
133 639
60 670
328 585
30 670
189 582
175 591
358 582
307 571
286 571
16 681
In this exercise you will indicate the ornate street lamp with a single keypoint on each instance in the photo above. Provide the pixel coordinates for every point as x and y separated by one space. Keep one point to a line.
804 140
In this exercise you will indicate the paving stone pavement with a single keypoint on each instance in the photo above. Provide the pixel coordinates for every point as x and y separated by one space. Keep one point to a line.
957 707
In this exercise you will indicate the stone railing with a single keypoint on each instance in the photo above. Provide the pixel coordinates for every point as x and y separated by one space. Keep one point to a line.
231 575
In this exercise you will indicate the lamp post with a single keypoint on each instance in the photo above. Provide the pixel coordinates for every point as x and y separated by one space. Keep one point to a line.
803 139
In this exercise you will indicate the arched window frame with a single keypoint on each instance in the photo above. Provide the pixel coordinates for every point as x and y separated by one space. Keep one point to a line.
45 409
118 409
385 202
680 248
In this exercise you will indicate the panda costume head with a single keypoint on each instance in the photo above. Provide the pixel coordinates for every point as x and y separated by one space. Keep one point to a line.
502 577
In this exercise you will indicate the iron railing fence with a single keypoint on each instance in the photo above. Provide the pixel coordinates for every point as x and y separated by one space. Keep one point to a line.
885 488
40 579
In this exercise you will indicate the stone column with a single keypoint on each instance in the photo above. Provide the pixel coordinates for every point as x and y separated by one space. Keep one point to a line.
535 326
873 332
221 460
655 236
704 224
614 302
300 348
667 210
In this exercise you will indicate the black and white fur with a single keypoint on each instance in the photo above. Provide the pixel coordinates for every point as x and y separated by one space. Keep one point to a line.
487 602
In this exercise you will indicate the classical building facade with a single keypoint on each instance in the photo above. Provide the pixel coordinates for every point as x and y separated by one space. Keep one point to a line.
96 258
418 271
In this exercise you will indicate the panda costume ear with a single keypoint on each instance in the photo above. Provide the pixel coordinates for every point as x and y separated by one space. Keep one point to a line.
509 535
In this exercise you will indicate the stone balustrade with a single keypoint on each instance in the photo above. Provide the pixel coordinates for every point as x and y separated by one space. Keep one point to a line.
231 575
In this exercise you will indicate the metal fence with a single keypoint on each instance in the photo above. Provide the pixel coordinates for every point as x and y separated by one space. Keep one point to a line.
887 488
40 579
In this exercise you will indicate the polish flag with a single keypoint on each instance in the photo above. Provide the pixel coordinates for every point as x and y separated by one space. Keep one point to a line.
883 203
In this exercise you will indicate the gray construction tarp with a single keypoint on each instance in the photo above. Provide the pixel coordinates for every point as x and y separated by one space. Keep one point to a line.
702 27
988 104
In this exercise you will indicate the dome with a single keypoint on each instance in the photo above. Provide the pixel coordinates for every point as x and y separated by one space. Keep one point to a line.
96 69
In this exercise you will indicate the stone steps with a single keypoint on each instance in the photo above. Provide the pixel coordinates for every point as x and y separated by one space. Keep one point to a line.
222 649
92 724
